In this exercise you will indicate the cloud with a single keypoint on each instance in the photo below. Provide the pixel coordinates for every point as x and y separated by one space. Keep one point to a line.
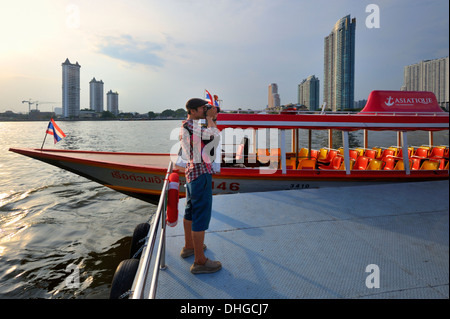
128 49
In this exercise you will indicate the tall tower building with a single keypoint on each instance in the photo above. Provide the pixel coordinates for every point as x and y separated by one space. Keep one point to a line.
339 65
308 93
112 102
274 97
96 95
70 89
429 75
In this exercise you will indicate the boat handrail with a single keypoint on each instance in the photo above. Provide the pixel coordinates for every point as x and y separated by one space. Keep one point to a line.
140 280
316 112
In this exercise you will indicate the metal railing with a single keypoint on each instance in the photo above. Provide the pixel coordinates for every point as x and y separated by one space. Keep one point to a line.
140 281
329 112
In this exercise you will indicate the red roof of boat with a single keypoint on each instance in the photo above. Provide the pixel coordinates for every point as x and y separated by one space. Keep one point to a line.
385 110
402 101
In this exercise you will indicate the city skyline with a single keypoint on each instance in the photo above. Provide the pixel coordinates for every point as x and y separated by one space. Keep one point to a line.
429 75
112 102
339 65
309 93
273 96
70 89
96 95
177 50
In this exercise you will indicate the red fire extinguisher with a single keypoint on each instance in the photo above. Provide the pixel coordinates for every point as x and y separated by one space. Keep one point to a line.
172 200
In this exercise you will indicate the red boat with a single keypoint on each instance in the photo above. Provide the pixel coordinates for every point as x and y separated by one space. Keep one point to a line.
252 169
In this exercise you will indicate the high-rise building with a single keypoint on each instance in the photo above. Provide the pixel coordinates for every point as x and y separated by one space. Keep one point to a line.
96 95
308 93
339 65
70 89
429 75
274 97
112 102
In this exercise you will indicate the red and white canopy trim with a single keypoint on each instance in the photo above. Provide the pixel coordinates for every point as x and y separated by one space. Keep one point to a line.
408 111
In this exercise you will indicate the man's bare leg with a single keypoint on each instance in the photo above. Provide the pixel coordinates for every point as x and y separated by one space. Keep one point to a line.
188 243
198 238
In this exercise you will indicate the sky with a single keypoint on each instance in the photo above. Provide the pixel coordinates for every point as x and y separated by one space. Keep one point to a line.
157 54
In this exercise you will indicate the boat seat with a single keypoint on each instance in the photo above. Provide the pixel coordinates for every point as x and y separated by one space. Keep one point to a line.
331 154
429 165
440 161
394 148
437 152
399 166
352 163
376 165
334 164
290 163
370 153
314 154
378 150
400 152
360 151
303 153
421 152
353 154
386 152
414 163
323 152
307 164
361 163
389 163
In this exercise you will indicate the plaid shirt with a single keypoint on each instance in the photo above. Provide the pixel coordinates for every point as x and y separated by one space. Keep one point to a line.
192 136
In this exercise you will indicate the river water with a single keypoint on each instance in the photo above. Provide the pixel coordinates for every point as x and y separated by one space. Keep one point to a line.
55 224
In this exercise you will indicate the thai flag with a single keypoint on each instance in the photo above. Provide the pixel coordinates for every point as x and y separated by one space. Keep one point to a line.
209 97
54 130
216 100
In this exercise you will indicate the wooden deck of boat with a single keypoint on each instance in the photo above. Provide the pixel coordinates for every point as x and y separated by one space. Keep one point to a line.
318 243
130 159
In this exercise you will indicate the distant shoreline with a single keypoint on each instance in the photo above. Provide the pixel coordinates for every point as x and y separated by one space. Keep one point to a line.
89 120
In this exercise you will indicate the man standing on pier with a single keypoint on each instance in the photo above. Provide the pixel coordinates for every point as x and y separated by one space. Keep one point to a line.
198 171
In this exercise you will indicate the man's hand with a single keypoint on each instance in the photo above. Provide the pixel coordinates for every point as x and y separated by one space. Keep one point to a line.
211 115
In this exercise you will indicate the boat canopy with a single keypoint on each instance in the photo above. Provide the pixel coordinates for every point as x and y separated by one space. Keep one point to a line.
385 110
405 102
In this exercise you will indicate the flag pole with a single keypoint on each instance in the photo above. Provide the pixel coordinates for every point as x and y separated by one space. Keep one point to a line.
44 140
44 137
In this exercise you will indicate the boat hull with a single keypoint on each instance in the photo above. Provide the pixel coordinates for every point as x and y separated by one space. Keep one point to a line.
145 181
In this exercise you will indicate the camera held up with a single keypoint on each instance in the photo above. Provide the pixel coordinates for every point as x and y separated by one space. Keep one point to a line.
209 106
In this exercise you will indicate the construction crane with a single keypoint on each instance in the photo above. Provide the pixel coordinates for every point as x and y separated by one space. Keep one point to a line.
29 104
38 102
